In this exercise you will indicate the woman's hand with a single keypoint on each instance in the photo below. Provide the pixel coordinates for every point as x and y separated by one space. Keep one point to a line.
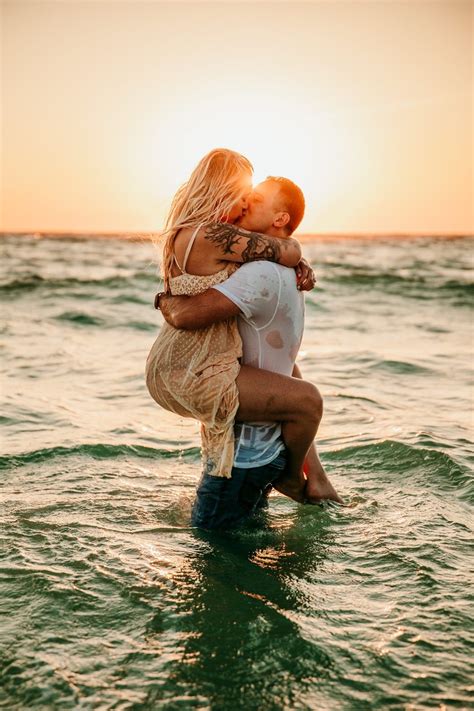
305 276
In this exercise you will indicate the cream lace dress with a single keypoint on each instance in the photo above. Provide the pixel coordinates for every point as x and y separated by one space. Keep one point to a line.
193 373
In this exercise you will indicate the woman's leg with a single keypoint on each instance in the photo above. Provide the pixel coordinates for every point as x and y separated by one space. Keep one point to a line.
297 404
318 486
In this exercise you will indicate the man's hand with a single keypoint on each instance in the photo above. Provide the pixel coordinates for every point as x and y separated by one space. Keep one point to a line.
170 307
159 296
305 276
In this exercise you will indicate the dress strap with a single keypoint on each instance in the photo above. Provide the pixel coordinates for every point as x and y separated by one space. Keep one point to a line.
189 248
173 256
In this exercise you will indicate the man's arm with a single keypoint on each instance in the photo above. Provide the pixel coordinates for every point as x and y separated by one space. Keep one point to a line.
193 312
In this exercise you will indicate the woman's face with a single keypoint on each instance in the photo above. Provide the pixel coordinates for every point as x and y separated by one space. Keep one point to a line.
240 207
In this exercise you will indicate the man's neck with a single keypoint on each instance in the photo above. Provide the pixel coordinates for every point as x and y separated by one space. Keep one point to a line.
277 232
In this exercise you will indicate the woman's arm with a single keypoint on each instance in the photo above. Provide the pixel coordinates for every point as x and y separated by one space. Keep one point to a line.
234 244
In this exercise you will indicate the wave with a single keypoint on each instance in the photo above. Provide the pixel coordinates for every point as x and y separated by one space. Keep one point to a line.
33 282
420 287
395 457
80 318
400 367
95 451
388 456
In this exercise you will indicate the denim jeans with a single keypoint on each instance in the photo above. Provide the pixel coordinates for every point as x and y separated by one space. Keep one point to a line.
224 503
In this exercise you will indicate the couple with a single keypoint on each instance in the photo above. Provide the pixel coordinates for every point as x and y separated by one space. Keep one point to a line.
234 323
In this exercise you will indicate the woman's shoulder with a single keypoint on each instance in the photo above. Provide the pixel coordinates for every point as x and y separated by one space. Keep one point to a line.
184 233
183 237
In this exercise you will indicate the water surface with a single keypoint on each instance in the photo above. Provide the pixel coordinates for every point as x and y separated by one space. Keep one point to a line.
112 599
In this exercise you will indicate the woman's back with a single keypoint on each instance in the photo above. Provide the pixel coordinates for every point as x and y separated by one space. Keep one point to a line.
205 270
193 254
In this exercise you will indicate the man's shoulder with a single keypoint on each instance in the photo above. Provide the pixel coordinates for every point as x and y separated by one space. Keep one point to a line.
276 278
251 276
263 267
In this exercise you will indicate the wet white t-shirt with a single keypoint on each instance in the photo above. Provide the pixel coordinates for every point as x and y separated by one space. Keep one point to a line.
271 326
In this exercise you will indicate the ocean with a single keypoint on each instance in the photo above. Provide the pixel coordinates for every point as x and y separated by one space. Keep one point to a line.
111 599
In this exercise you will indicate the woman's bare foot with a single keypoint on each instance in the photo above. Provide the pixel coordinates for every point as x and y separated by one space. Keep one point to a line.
321 490
318 487
292 488
311 486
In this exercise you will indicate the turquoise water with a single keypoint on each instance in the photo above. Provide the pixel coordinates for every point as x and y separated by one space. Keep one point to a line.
113 601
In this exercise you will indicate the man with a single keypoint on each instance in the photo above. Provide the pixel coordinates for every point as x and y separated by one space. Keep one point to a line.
270 312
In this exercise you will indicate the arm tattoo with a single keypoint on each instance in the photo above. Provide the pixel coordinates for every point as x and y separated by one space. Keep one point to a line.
259 246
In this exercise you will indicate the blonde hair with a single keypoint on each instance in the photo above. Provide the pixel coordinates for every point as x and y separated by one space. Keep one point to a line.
215 185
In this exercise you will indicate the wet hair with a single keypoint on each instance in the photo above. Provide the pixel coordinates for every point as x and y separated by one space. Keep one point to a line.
292 200
215 185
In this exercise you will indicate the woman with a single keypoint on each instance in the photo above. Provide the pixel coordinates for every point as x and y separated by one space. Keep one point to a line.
197 373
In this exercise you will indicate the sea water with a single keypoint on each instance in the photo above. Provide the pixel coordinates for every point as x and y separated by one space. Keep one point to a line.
111 599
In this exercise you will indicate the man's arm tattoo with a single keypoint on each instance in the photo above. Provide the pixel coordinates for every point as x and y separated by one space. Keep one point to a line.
258 246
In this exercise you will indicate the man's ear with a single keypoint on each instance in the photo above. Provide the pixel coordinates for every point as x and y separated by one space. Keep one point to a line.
281 219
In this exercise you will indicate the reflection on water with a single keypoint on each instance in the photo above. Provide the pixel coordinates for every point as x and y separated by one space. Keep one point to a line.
238 602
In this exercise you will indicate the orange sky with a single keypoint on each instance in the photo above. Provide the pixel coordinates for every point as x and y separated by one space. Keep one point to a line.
107 107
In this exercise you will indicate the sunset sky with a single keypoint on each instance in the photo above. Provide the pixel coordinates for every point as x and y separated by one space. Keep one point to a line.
107 107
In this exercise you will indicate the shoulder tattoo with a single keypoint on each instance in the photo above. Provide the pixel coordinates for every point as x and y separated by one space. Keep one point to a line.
259 246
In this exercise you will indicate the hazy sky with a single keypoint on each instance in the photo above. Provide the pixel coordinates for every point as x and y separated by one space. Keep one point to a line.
107 107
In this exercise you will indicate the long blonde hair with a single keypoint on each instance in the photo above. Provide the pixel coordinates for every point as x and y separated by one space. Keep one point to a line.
215 185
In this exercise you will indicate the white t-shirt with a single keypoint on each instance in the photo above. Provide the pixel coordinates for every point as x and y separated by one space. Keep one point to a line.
271 326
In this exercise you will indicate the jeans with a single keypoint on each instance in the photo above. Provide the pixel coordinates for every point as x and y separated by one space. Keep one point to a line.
224 503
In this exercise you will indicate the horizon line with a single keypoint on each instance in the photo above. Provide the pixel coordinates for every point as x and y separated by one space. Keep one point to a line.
145 234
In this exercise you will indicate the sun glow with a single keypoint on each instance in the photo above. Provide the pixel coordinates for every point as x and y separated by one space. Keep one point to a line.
276 138
368 109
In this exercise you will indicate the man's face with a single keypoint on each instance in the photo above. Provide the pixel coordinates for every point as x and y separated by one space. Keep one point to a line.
240 207
262 207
